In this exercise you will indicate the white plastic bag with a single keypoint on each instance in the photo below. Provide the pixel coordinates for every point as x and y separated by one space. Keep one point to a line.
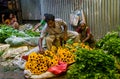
26 27
75 17
20 41
18 61
35 49
15 41
13 52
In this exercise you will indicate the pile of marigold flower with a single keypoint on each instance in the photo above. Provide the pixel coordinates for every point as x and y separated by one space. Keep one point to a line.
36 63
39 63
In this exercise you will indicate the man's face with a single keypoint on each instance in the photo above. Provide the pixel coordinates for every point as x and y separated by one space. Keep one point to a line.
51 23
83 26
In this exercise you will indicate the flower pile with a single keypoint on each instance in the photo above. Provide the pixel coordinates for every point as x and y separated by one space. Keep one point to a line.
65 55
73 47
36 63
39 63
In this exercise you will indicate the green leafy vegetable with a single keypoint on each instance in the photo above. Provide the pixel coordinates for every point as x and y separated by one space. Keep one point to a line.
93 64
7 31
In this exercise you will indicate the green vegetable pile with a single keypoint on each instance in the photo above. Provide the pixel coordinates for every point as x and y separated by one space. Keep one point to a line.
7 31
110 43
31 33
107 37
94 64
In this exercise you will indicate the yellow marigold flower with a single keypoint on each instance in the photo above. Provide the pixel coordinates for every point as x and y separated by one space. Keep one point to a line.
35 71
33 55
53 48
70 61
45 68
75 44
82 45
40 56
87 47
73 50
34 66
49 53
53 62
91 49
33 62
28 65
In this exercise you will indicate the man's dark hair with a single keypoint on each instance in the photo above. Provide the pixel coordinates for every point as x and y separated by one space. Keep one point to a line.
49 17
46 14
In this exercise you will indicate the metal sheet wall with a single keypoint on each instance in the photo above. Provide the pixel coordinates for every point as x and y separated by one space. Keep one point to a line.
31 9
61 8
102 16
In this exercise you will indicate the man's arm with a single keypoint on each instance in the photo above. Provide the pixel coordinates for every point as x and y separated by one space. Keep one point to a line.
41 50
42 22
42 35
36 26
65 30
88 35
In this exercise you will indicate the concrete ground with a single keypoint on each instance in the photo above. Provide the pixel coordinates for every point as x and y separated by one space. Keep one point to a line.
11 73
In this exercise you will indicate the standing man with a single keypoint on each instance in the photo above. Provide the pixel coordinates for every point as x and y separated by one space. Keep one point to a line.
55 29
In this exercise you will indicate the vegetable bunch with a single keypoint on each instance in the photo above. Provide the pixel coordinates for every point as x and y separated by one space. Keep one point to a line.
92 64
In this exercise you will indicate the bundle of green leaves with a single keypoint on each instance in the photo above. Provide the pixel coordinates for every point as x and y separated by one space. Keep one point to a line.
110 43
7 31
32 33
94 64
107 37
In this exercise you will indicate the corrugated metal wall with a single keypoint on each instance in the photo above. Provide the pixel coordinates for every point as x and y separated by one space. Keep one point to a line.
61 8
101 15
31 9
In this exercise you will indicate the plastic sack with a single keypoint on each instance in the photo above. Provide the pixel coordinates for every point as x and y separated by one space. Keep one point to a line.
18 61
13 52
75 17
15 41
58 69
35 49
20 41
33 41
26 27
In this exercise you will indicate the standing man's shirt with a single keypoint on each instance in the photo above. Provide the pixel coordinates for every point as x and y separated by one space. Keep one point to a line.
42 22
58 29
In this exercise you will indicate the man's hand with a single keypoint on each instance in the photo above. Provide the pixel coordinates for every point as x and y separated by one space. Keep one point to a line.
83 41
65 36
41 50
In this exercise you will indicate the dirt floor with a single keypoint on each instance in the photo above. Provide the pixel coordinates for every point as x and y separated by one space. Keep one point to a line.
11 73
